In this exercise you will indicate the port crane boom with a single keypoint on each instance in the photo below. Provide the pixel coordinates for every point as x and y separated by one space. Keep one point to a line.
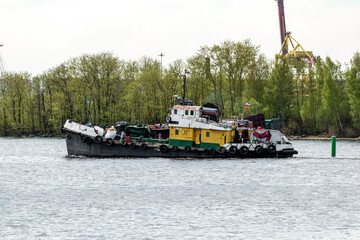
297 53
282 24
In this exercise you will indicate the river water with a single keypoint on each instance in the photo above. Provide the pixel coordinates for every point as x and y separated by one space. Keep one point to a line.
46 195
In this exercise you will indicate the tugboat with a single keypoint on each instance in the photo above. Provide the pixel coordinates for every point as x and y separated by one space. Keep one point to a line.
190 132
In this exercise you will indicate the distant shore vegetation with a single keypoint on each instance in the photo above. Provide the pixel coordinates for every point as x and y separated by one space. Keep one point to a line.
102 88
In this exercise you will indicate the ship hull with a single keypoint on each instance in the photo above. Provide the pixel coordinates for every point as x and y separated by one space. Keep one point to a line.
76 147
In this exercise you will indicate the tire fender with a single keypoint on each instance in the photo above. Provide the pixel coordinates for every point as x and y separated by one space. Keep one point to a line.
244 150
271 148
109 141
259 149
163 148
98 139
232 150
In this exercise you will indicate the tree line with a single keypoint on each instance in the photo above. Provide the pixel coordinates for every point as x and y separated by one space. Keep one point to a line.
101 88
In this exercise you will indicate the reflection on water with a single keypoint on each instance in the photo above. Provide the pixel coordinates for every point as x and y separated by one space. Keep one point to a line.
45 195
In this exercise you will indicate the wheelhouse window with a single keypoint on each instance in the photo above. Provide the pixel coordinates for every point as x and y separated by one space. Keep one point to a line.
175 111
176 132
186 112
192 112
207 134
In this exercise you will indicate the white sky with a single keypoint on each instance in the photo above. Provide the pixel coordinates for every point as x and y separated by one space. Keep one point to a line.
40 34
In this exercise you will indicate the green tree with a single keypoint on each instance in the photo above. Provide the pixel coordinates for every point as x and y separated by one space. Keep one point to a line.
311 106
334 99
353 89
256 80
219 73
279 92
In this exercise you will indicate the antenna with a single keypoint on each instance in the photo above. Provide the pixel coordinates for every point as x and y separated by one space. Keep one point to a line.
161 55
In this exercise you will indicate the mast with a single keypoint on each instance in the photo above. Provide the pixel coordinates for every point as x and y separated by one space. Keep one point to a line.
184 87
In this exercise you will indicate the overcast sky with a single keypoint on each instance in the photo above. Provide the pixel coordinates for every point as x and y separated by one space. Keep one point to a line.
41 34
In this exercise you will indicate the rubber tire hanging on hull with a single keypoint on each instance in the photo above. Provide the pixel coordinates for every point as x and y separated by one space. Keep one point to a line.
232 150
109 141
222 150
244 150
163 148
259 149
271 148
98 139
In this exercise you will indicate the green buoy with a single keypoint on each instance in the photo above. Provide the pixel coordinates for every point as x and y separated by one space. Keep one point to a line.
333 146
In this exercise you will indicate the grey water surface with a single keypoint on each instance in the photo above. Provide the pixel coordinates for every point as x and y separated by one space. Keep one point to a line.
46 195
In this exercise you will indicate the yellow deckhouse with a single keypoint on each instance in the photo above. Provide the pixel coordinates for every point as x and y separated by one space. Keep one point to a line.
191 128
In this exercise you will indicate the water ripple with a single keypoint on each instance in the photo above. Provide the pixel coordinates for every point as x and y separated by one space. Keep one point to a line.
45 195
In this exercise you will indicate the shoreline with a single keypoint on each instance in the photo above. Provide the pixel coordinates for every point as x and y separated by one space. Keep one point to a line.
50 135
322 138
291 137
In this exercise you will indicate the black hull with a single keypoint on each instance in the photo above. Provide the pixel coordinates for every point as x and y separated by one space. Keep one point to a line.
77 147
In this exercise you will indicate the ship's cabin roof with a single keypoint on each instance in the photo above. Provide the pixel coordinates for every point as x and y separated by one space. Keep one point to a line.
187 107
